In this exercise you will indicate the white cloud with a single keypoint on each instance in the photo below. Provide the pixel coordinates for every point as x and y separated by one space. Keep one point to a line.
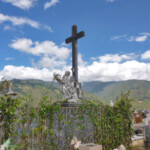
50 4
22 4
146 55
21 72
38 48
51 55
142 37
18 21
9 58
80 60
114 71
96 71
53 59
8 28
49 62
131 38
118 37
116 57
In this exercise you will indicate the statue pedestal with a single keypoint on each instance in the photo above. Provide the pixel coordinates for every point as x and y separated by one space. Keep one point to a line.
69 103
76 122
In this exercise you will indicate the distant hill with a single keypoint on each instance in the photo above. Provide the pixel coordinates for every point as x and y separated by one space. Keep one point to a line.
95 90
38 89
139 89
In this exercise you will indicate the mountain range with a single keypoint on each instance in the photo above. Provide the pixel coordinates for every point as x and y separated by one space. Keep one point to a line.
109 91
95 90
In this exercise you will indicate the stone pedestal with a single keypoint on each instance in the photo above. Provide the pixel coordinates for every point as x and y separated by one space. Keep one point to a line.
68 104
72 125
90 146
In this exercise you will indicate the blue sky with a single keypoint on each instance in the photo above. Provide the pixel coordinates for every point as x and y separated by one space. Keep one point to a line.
116 45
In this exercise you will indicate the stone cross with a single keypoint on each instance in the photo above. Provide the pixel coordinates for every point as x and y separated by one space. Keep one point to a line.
75 36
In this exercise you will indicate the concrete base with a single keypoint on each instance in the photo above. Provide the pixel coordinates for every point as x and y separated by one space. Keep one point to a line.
90 146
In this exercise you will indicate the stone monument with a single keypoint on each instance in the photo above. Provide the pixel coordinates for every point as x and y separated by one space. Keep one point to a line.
10 92
70 86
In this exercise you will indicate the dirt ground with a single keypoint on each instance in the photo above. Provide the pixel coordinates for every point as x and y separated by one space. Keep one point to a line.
139 148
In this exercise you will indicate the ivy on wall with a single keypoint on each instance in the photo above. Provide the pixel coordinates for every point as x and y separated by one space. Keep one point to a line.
35 127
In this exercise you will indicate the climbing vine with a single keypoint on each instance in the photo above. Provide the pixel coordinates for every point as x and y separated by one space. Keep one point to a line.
52 126
8 108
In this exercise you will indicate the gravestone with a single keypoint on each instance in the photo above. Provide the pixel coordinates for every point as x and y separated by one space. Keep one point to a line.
10 92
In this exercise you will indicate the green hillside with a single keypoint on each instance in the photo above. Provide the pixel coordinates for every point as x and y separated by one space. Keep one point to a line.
96 90
140 91
38 89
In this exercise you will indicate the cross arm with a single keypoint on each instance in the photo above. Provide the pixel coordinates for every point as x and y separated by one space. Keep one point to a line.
69 40
80 35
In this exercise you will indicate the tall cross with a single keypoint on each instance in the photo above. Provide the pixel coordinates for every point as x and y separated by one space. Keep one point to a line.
75 36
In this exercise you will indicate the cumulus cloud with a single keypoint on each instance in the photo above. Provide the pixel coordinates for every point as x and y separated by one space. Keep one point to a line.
22 4
117 57
49 62
21 72
51 55
81 62
50 4
54 59
38 48
146 55
18 21
115 71
97 71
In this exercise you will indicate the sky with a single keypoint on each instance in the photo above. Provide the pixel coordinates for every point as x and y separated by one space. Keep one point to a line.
116 45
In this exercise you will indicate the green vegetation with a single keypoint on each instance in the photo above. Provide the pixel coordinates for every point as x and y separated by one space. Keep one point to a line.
112 125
